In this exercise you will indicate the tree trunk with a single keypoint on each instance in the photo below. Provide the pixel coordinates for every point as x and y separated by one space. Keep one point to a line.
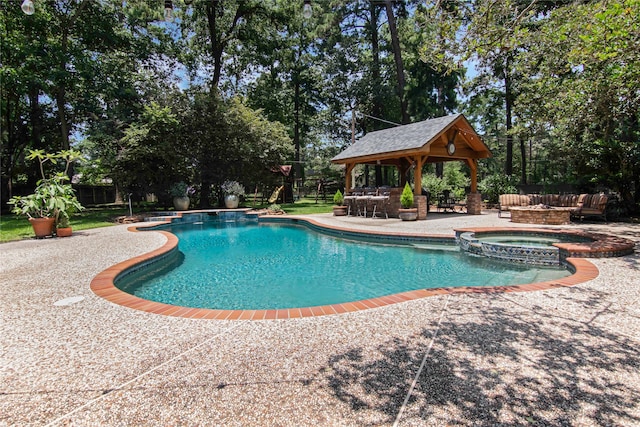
377 110
508 169
523 155
61 92
440 84
10 149
217 46
296 125
397 56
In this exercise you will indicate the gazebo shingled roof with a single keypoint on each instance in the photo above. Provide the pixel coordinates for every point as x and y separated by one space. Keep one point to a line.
416 144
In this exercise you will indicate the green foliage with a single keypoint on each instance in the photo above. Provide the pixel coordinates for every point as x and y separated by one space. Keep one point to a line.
454 179
570 73
232 188
587 87
494 185
338 198
53 197
229 141
181 189
406 198
280 88
74 68
275 209
434 185
148 161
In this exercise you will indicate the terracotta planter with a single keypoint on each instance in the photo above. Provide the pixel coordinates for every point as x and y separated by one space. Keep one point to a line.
42 227
410 214
340 210
231 201
64 231
181 203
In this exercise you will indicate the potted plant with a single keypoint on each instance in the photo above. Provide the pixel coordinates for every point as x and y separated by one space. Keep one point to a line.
339 209
181 193
407 212
63 226
53 197
233 190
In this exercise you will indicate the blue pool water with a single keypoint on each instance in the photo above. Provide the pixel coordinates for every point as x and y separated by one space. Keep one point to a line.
242 266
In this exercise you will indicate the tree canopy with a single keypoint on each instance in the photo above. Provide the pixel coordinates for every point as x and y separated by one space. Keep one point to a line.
231 89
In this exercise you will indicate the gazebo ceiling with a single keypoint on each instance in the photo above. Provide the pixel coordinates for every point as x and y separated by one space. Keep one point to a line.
427 139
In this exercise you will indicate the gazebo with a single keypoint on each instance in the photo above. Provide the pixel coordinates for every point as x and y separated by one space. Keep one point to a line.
443 139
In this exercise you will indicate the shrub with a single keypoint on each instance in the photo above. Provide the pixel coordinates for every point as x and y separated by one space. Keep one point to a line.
492 186
434 185
338 198
406 198
180 189
454 179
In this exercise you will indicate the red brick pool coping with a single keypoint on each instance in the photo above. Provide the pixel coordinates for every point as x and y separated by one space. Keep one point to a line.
103 284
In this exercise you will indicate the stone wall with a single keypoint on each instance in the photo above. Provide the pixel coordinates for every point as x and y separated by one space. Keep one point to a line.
474 203
541 216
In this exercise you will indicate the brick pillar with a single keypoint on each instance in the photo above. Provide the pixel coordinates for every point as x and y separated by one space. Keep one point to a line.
474 203
420 202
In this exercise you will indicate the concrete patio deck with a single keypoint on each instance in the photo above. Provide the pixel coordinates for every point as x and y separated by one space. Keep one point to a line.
556 357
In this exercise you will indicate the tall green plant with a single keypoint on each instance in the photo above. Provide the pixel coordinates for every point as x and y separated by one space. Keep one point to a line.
338 198
53 197
406 198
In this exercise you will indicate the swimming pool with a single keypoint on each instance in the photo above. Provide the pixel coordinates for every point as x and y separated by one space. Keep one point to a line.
249 266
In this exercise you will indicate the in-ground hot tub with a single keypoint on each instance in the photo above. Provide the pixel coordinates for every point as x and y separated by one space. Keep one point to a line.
524 246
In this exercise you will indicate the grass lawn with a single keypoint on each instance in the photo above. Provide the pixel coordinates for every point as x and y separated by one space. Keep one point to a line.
17 228
307 206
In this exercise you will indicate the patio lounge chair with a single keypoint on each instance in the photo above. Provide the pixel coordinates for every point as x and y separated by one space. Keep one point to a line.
591 205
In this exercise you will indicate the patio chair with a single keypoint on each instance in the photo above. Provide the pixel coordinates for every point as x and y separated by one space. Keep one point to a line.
446 202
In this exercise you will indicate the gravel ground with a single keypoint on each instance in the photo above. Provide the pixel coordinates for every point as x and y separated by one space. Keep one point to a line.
562 357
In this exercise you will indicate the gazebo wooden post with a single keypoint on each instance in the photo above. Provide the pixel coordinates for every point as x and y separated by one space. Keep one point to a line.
420 201
347 179
417 176
474 199
473 166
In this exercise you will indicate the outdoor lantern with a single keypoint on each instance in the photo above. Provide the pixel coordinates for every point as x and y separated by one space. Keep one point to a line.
168 10
28 7
307 11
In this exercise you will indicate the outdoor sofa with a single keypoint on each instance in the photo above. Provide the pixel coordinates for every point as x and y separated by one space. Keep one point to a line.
585 205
